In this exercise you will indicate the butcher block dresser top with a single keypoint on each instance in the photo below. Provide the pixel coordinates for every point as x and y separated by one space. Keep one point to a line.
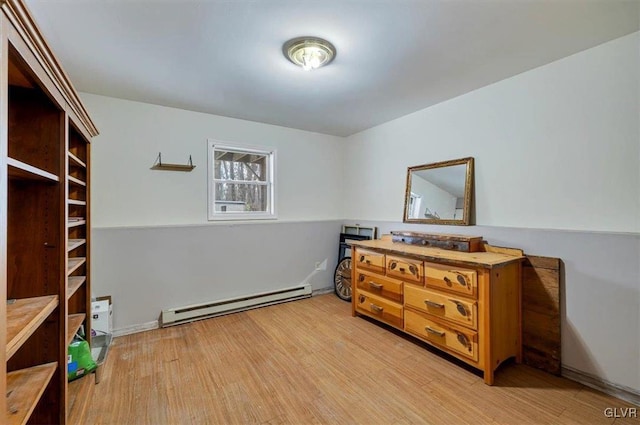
477 259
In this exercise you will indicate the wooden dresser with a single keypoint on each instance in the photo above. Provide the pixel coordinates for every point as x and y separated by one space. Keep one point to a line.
467 304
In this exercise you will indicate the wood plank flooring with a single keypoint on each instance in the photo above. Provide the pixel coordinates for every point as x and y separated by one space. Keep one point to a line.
310 362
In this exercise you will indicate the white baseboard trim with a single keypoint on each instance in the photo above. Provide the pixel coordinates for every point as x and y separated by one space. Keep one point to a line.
322 291
624 393
142 327
133 329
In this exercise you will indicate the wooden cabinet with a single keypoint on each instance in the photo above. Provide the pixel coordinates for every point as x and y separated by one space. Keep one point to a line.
466 304
44 233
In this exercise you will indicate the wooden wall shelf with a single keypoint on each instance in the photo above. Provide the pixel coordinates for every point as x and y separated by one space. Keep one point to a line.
158 165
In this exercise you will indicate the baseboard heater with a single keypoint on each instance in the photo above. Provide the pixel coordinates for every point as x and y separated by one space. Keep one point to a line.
176 316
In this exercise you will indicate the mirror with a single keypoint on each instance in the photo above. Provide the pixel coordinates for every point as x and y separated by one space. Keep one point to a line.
439 193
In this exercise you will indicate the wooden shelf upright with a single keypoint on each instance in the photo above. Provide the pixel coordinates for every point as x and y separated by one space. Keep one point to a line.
45 247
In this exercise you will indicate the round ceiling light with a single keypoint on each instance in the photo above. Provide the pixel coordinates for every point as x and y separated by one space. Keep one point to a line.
309 52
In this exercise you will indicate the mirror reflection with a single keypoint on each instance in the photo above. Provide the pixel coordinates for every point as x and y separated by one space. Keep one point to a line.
439 193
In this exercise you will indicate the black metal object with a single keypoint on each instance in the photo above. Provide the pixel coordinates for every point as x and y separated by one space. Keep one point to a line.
342 283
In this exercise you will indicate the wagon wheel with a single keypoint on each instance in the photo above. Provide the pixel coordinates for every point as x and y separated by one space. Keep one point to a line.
342 279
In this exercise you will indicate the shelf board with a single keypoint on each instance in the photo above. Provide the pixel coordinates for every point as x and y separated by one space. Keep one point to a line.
76 223
173 167
79 396
74 243
23 318
76 181
73 264
24 389
76 202
77 161
74 322
19 169
75 282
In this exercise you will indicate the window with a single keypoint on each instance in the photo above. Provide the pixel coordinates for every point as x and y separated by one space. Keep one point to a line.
241 182
414 205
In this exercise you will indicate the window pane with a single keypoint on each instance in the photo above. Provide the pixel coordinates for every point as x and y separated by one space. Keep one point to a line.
233 197
239 166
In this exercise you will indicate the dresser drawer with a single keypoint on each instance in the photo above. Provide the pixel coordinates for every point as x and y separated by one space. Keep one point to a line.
442 305
405 268
370 260
452 278
379 308
380 285
459 340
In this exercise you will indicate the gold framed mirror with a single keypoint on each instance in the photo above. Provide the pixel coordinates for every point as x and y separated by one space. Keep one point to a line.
440 193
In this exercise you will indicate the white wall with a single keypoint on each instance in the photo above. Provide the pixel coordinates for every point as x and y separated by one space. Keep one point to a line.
557 147
437 200
152 245
125 192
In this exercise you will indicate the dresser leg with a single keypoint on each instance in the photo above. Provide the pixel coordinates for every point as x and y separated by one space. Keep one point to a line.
488 377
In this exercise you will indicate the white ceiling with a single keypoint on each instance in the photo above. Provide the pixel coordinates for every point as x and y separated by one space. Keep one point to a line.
394 57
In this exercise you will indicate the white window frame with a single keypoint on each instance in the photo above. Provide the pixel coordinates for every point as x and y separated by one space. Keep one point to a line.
270 153
414 204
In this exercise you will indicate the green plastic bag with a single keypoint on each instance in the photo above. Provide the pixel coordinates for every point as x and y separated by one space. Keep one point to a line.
79 360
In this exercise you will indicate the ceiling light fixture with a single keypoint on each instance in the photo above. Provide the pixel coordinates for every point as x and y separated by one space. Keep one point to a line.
309 52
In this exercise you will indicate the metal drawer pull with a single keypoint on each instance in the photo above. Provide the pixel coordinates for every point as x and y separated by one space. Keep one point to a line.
375 285
376 308
434 331
433 304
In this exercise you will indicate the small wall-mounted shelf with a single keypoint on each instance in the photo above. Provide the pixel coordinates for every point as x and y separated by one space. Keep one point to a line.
158 165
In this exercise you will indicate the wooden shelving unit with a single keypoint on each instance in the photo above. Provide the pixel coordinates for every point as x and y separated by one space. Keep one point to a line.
45 258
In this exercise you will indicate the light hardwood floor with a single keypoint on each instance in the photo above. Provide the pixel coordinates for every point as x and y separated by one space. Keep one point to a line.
310 362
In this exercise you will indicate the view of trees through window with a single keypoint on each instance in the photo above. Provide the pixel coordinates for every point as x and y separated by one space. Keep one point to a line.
241 181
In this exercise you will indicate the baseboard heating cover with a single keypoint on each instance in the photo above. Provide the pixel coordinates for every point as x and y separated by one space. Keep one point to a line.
190 313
